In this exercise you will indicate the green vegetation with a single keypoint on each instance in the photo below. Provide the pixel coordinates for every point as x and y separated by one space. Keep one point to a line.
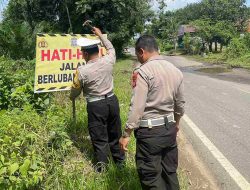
23 19
40 146
237 54
16 85
45 149
215 29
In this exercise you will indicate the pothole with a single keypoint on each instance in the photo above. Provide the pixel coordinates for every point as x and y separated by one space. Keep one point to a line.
214 70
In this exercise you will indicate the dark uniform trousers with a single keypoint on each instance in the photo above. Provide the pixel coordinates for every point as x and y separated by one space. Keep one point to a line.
104 126
157 157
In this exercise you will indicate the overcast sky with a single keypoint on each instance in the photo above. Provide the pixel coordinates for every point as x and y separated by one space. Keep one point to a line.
176 4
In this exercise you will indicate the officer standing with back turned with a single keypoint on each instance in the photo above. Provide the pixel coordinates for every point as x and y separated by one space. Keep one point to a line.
156 108
96 81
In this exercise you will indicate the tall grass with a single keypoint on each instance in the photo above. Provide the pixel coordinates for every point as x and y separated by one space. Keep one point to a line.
63 147
86 177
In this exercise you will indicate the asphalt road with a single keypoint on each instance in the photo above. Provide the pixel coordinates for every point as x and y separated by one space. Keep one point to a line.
219 104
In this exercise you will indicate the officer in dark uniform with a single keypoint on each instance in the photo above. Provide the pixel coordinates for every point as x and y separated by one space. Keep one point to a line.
156 108
96 81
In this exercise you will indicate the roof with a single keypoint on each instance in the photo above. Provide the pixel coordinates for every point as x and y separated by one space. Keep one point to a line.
186 29
248 25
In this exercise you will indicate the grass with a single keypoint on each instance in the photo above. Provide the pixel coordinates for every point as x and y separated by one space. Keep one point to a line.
219 58
174 53
78 172
63 147
114 178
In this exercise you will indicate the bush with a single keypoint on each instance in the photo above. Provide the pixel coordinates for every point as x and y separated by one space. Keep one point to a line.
243 61
43 141
16 40
192 45
246 40
187 42
166 46
16 85
237 48
31 147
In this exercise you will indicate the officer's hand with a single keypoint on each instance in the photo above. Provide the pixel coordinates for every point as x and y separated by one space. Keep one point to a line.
97 31
124 143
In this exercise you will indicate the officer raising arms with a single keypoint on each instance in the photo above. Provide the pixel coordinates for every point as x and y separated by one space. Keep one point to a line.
96 81
156 108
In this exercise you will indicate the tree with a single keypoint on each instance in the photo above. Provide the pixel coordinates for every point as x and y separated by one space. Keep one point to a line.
23 19
32 11
205 31
223 32
233 11
120 20
217 21
165 27
220 32
169 28
191 12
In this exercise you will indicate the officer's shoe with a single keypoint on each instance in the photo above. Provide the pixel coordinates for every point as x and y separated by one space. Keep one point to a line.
100 167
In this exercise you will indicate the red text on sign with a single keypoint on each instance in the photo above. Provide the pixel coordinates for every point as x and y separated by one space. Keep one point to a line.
60 55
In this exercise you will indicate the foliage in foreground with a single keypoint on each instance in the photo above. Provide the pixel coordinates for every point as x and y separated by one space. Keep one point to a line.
16 85
40 152
48 151
30 145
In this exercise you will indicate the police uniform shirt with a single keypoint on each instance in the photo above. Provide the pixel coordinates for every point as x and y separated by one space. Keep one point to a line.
157 91
95 78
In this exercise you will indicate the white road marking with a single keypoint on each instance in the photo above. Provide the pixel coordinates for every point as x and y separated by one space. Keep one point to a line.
236 126
243 90
231 170
236 86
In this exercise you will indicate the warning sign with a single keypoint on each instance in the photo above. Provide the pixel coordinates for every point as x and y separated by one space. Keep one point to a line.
57 58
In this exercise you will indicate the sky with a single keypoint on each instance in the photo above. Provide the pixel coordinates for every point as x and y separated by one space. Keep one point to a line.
177 4
3 4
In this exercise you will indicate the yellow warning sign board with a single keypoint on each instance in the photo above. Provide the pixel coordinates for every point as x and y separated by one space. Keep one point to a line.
57 58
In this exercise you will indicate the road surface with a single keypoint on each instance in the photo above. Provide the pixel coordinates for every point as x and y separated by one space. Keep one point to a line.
219 105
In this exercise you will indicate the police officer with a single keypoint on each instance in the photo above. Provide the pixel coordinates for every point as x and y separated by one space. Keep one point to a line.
96 81
156 108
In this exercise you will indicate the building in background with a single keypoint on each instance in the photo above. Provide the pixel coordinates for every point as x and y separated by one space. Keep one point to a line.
248 25
184 30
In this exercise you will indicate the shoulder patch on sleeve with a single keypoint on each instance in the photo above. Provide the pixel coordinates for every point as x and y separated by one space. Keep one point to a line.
134 79
145 75
76 82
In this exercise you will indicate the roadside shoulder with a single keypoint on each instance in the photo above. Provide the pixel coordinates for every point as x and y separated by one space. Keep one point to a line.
198 174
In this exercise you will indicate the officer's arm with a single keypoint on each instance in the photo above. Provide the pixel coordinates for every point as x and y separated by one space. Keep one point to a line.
110 57
77 86
138 103
179 103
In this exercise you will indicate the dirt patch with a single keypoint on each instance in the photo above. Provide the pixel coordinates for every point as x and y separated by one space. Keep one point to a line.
198 174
